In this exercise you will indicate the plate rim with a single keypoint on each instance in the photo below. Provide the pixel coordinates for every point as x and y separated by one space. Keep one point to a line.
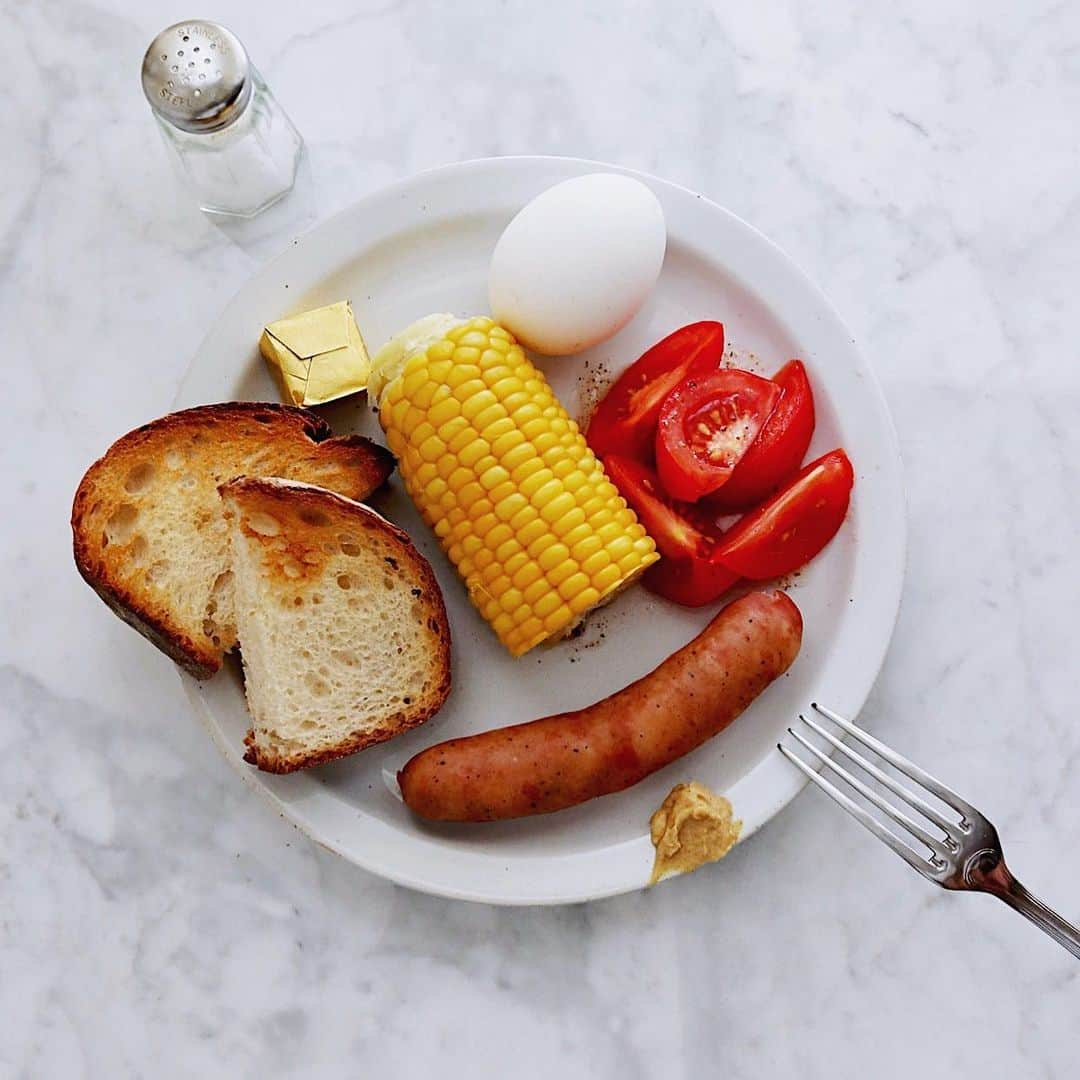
888 605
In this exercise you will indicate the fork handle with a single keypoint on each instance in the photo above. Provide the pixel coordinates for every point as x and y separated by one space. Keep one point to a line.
999 882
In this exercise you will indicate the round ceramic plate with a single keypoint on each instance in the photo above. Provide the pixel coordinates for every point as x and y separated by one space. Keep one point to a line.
423 245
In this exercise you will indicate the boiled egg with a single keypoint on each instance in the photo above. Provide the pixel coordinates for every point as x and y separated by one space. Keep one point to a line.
576 264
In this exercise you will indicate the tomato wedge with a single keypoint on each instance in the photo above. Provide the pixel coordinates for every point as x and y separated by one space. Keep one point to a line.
625 420
778 451
706 426
794 525
691 582
686 573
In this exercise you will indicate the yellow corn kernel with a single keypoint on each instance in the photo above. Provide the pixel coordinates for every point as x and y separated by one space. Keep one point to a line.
503 491
486 417
505 549
530 531
497 369
416 379
511 600
449 430
468 490
513 454
608 578
494 432
524 415
396 441
557 507
531 485
561 572
528 468
497 535
547 603
459 375
558 620
533 427
595 563
446 466
584 599
475 452
511 384
431 449
492 476
533 592
516 400
515 563
510 505
553 556
530 633
570 526
498 585
442 412
484 524
467 354
436 488
620 547
527 574
462 440
474 397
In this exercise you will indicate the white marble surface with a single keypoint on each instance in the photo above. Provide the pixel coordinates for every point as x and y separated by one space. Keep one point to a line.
156 919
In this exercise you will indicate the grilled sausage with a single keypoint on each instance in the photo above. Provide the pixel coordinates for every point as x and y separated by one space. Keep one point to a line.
563 760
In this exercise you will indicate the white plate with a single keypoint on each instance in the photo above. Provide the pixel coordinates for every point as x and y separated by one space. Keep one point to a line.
423 245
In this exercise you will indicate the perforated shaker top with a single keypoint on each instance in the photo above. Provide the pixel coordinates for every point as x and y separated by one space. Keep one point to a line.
197 76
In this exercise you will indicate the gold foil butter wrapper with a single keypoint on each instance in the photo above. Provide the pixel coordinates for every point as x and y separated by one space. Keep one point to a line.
318 355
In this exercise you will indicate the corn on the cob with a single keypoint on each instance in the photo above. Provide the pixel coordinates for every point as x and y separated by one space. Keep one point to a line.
517 499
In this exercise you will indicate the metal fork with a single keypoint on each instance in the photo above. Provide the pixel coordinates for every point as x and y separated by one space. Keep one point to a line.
967 852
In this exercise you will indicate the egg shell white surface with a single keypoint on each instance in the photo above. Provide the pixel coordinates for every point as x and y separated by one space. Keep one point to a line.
577 263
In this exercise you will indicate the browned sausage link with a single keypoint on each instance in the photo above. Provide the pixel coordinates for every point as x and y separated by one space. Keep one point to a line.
564 760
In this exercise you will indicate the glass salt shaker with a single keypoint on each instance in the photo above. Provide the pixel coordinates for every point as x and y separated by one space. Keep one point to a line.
230 140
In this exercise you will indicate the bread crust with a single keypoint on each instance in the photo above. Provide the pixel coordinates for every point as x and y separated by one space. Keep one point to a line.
364 466
269 494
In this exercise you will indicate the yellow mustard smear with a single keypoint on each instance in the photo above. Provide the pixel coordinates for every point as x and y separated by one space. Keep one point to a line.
691 827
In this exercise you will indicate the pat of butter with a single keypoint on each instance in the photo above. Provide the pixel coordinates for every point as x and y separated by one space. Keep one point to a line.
318 355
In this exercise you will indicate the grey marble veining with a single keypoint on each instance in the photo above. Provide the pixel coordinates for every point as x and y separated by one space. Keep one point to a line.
920 162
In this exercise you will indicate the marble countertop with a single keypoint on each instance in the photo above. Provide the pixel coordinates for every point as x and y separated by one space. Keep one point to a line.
157 919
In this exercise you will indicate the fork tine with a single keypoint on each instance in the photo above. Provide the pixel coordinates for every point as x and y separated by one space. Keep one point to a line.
898 761
897 815
884 778
906 853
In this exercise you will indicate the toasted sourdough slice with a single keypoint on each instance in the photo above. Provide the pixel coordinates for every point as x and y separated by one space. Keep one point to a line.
149 533
342 626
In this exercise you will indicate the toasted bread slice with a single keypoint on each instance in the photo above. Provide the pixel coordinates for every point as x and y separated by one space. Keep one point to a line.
149 533
342 626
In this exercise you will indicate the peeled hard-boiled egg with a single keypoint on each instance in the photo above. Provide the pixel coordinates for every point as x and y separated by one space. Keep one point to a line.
576 264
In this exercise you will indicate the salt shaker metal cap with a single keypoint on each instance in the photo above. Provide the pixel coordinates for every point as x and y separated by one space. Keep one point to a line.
197 76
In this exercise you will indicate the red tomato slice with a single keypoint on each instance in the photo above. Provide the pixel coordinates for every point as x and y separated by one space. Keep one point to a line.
707 424
686 573
778 451
794 525
625 420
690 582
676 534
